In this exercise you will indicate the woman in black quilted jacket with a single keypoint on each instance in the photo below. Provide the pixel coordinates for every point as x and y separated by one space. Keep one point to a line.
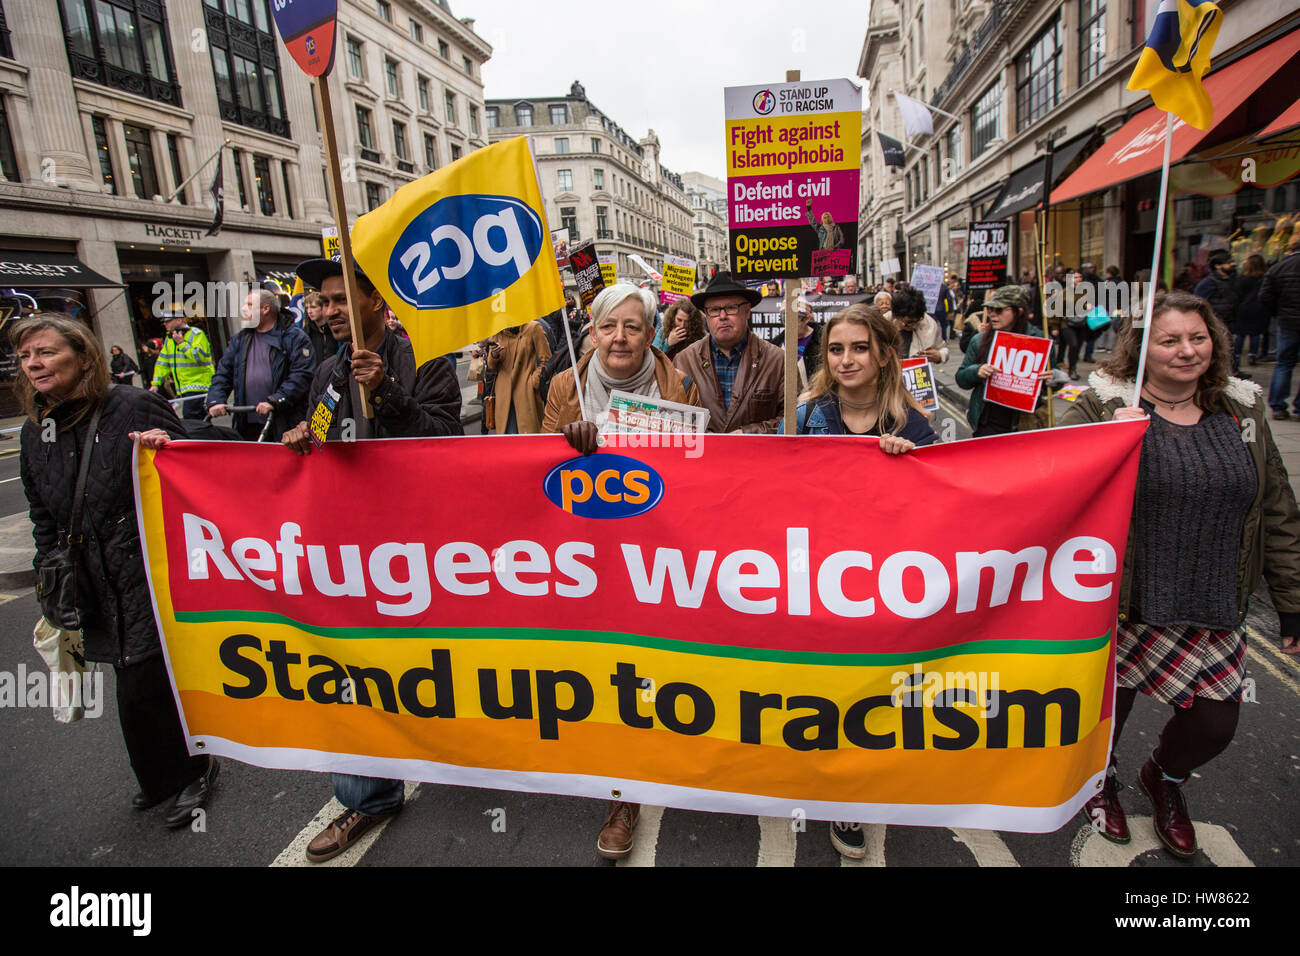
62 378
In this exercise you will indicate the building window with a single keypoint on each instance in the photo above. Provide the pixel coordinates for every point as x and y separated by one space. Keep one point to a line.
559 114
364 132
245 64
174 157
430 152
524 115
139 155
392 82
238 158
602 223
422 92
6 46
374 196
262 180
1092 39
8 158
598 178
561 144
595 145
444 50
954 148
288 195
356 65
469 66
473 120
455 152
417 32
123 44
564 180
101 150
493 117
1038 76
399 145
385 10
569 221
449 100
986 119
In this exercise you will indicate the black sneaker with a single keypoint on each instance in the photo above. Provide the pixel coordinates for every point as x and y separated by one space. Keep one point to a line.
849 839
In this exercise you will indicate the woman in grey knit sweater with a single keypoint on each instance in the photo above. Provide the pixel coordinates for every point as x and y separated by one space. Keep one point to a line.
1214 512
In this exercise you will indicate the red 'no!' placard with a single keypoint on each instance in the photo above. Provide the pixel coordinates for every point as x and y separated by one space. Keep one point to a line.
1016 361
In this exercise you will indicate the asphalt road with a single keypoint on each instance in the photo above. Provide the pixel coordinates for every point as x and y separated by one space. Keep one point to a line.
66 792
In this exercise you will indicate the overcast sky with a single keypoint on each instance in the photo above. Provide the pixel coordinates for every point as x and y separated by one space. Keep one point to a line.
663 65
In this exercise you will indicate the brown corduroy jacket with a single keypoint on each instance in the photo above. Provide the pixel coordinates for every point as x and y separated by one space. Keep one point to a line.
518 366
757 396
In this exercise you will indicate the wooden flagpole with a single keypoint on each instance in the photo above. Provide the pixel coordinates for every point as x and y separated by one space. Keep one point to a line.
335 182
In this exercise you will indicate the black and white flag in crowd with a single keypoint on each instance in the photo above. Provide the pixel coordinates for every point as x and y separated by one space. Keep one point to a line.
892 149
218 191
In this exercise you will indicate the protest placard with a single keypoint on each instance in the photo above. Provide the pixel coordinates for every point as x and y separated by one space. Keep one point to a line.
793 160
679 279
329 241
608 268
586 271
767 320
1016 360
560 241
918 378
988 249
928 280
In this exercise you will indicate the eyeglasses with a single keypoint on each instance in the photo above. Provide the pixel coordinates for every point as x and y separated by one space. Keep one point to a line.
714 311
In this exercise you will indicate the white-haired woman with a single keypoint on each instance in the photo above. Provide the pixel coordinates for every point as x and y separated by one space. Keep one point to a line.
622 327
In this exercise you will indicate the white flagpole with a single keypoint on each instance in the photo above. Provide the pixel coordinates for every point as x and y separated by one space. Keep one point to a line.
1155 261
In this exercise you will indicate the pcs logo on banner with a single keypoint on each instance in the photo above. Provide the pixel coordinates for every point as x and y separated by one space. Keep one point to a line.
607 486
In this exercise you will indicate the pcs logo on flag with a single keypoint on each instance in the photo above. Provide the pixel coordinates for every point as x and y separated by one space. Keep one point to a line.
464 249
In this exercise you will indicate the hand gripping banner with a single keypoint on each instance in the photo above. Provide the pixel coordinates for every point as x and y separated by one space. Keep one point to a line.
654 621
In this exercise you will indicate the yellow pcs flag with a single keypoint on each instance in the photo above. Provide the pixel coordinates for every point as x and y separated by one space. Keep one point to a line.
1176 57
463 252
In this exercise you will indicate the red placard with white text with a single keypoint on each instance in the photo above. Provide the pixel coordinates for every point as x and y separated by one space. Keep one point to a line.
1017 361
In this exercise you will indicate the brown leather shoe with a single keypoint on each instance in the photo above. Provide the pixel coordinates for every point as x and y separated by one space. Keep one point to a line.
615 840
1173 825
1104 811
346 829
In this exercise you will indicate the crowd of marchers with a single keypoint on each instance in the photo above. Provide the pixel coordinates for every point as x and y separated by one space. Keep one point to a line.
1213 514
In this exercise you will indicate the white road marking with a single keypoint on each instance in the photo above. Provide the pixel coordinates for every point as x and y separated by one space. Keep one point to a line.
777 841
1092 849
986 846
647 838
295 854
875 833
5 481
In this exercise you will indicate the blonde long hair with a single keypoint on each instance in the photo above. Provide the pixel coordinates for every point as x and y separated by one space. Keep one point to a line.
892 397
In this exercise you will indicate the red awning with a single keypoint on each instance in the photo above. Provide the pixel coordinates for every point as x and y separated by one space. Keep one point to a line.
1287 120
1138 148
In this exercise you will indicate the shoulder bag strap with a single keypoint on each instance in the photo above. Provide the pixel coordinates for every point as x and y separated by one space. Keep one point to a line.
78 498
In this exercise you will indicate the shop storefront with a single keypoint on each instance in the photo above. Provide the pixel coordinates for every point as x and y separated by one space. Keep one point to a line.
1233 187
40 282
161 283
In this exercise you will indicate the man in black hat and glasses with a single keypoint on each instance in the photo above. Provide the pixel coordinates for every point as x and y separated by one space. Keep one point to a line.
740 376
405 403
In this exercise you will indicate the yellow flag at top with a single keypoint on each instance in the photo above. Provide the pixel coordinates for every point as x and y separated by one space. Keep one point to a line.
463 252
1176 57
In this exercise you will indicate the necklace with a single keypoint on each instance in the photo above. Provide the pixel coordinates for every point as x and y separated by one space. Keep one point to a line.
859 406
1165 401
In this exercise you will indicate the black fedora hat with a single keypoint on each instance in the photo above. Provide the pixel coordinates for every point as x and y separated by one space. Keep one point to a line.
723 284
315 271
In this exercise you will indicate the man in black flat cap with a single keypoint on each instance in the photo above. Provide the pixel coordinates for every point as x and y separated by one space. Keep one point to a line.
405 403
740 376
